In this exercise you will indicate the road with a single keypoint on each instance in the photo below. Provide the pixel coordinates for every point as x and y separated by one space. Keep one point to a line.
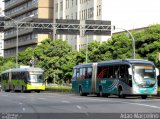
75 105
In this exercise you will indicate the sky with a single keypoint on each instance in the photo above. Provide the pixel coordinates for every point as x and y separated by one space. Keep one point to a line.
130 14
1 6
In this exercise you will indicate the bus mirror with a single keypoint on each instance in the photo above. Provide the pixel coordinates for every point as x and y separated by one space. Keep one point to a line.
157 72
130 71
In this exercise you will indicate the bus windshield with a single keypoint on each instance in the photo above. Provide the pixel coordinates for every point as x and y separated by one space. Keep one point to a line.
144 75
36 78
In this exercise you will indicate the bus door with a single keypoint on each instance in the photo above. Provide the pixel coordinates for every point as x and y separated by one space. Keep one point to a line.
85 79
75 80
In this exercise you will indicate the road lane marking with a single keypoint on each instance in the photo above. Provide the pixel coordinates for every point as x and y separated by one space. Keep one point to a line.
22 97
42 98
20 103
65 101
131 103
24 109
79 107
151 106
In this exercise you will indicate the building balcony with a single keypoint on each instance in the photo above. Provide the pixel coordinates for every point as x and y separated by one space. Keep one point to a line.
20 43
25 19
14 4
20 32
24 10
26 31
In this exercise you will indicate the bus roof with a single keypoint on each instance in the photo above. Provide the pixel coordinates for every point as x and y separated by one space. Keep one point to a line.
128 61
83 65
24 69
122 61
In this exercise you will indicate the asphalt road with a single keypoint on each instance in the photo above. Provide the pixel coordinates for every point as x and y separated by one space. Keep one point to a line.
75 105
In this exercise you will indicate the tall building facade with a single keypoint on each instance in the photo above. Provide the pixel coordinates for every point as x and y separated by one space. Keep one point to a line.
1 30
25 11
80 10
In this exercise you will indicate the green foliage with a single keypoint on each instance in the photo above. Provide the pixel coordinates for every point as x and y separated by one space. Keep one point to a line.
59 88
25 57
8 65
57 58
120 47
116 48
148 43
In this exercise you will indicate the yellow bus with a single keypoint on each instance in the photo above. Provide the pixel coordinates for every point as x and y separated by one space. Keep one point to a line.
23 79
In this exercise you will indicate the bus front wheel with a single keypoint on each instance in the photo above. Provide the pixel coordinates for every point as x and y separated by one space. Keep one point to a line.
120 94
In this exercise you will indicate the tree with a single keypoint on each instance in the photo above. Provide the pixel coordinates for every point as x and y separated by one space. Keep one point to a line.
148 43
68 62
8 65
55 57
118 47
25 57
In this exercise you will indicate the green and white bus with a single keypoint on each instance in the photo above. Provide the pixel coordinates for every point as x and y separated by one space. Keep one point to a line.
23 79
119 77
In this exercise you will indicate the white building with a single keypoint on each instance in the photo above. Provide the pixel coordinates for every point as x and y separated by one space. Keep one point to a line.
1 45
126 14
1 33
80 10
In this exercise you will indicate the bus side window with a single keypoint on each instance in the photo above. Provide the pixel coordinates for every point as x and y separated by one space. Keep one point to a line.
105 72
86 73
18 75
116 72
23 76
99 73
77 74
74 74
122 71
14 76
102 72
81 73
89 72
27 76
110 72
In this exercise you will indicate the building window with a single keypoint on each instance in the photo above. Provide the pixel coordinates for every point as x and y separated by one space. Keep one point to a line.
98 10
61 6
86 13
67 16
72 2
76 15
91 13
72 16
56 7
67 4
76 2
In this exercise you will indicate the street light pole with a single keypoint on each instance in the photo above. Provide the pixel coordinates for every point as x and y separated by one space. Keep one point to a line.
87 50
16 23
17 47
133 41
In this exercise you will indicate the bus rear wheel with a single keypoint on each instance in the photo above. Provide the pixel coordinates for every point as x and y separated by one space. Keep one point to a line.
100 93
38 91
81 93
143 96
